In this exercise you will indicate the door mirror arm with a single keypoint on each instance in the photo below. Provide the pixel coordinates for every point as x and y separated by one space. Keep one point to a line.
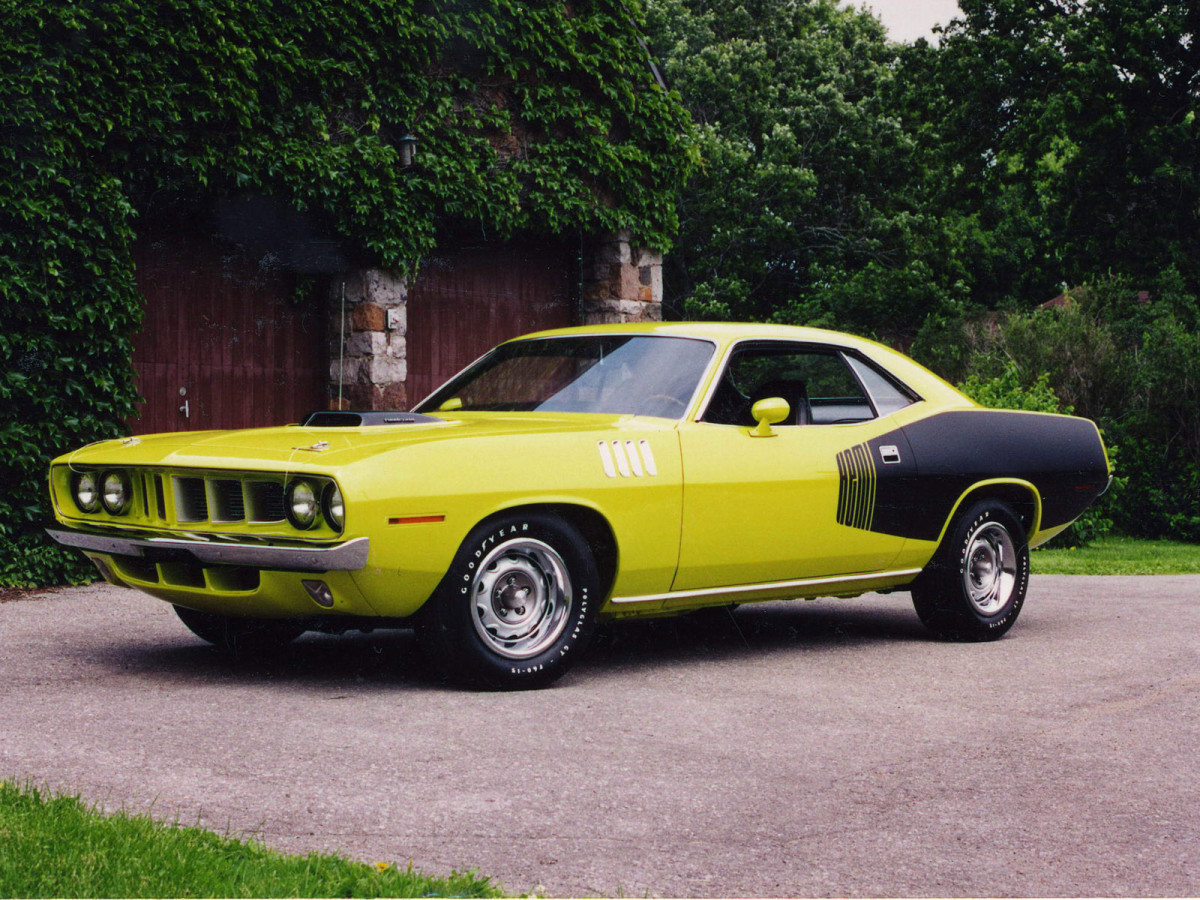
768 412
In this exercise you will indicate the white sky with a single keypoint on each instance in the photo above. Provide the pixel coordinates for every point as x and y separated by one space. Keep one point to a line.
907 20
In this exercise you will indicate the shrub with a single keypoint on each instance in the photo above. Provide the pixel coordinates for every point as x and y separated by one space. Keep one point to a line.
1008 391
1129 360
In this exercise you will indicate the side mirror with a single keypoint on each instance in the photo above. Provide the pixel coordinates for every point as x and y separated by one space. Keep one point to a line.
767 412
450 405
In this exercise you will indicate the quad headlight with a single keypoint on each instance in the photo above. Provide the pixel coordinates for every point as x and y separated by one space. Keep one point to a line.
301 504
333 507
85 487
117 493
308 500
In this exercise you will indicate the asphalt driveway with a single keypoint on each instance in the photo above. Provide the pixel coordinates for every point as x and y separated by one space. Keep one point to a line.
793 749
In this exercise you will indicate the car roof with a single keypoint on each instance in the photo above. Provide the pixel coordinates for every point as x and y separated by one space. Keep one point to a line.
719 331
912 373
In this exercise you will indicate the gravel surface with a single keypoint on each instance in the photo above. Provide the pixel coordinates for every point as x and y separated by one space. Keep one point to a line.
827 748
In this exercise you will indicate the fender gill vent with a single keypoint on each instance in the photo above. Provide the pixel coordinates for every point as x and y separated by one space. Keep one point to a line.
630 458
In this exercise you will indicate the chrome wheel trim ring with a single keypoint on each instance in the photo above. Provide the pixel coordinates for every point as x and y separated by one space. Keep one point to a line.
990 570
520 598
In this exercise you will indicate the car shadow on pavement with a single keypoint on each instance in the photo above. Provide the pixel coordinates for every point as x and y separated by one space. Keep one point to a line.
390 659
756 630
384 659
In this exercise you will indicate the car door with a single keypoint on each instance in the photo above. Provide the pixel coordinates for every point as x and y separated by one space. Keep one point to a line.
799 503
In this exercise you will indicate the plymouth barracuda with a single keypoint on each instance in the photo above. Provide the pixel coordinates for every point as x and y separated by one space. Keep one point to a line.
589 473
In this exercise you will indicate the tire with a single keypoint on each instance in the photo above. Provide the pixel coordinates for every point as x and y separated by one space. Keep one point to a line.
974 587
245 638
517 606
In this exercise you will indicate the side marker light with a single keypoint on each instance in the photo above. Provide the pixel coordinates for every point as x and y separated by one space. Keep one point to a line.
320 592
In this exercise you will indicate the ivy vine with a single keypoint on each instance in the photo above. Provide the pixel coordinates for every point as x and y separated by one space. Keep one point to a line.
539 117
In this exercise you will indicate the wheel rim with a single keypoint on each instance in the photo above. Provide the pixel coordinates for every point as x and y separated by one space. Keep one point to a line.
521 595
990 574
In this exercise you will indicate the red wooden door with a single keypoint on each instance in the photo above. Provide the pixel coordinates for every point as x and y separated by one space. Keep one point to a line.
465 302
225 342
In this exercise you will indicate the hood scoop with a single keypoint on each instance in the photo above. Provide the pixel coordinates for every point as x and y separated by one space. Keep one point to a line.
354 418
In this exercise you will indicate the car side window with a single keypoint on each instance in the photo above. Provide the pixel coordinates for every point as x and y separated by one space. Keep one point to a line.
817 383
885 393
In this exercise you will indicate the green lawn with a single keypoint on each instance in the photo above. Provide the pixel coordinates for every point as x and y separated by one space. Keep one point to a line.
1120 556
57 847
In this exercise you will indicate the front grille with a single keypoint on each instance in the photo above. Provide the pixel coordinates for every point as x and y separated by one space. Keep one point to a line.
226 502
160 497
221 499
187 574
266 501
191 500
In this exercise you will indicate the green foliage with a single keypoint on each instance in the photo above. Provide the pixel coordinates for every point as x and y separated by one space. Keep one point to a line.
805 206
54 846
1007 391
1069 132
1010 390
32 561
541 116
1131 362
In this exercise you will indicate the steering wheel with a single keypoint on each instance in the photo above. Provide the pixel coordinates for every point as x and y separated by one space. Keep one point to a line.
671 401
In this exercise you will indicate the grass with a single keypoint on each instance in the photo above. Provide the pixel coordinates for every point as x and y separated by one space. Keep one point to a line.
1120 556
54 846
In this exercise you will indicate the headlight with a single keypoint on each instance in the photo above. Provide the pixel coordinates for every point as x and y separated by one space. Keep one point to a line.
86 490
333 507
117 493
301 504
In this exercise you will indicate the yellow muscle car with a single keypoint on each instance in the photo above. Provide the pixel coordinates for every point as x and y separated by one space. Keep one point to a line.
589 473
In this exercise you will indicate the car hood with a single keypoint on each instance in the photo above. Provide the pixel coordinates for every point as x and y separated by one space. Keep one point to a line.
319 449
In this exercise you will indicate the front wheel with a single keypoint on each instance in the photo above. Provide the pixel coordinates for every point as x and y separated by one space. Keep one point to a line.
517 606
974 588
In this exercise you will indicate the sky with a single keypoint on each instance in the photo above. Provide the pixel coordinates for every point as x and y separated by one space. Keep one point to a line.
907 20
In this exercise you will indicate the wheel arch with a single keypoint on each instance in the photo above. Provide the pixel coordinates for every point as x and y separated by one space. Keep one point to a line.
1022 496
590 523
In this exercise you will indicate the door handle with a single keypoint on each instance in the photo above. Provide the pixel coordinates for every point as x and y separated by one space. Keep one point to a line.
186 409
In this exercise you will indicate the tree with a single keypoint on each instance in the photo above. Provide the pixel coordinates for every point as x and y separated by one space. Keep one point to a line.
1074 126
806 206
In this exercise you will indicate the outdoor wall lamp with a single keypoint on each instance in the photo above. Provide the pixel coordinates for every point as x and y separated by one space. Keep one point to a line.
408 149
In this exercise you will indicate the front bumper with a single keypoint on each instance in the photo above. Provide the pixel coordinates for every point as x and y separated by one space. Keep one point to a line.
345 557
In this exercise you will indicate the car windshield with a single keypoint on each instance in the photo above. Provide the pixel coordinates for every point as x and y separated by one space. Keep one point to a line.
649 375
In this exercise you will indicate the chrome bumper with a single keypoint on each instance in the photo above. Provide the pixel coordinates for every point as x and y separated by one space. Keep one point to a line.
348 557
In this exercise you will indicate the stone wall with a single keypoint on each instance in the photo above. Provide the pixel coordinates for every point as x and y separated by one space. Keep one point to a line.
619 282
372 314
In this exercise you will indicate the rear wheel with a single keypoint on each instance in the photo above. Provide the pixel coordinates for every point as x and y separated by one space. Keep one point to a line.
974 588
239 636
518 604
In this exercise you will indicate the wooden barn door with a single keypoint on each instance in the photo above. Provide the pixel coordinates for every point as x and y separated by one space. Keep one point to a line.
470 300
225 343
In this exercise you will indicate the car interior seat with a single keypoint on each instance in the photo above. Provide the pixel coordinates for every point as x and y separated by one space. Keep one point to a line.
793 390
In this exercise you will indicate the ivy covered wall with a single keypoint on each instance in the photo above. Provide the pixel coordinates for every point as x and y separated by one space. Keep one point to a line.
530 116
